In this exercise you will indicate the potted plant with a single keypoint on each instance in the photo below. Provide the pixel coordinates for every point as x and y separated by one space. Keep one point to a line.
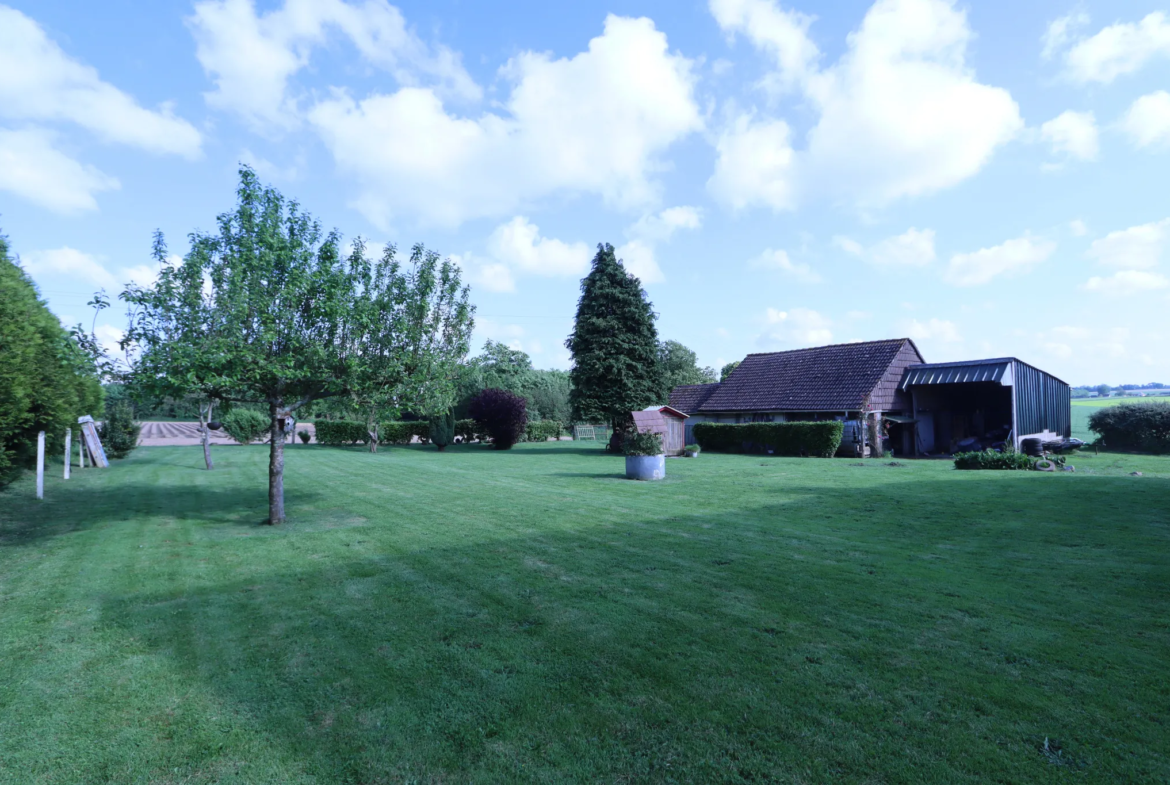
691 450
645 459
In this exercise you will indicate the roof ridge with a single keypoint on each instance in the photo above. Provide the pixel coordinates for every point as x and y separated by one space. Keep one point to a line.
829 346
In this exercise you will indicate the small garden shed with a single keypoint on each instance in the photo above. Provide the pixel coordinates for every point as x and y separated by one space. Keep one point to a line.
665 421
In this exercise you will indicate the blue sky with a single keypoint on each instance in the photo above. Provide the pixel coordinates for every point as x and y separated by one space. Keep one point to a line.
988 179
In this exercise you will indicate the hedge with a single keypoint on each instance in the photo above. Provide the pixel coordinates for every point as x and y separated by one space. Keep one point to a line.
1141 427
987 459
246 425
816 439
465 430
403 432
341 432
543 430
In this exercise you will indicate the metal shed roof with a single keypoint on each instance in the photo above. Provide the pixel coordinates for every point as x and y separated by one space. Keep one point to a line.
997 370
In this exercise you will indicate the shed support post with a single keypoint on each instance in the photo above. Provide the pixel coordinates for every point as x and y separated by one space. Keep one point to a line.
68 450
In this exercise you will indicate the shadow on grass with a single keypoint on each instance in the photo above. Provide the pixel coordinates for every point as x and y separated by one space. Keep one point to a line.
737 647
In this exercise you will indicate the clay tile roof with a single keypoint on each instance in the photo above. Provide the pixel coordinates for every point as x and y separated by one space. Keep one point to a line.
823 378
687 398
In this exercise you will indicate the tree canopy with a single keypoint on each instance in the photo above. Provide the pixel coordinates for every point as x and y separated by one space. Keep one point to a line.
727 369
269 310
680 365
47 380
614 345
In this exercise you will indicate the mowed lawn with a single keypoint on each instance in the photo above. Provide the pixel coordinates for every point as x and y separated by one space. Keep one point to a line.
530 616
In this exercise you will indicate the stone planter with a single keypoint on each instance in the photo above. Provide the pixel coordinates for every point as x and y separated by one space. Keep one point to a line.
691 453
645 467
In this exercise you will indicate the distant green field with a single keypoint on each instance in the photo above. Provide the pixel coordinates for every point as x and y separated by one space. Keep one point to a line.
1083 407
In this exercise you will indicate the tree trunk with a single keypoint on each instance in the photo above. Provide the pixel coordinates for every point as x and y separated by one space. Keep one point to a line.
372 431
203 421
276 470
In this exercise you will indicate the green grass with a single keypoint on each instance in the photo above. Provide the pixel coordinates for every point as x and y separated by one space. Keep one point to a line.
1083 407
530 616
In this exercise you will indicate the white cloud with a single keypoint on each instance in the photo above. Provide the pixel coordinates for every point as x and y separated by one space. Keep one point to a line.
1077 227
661 226
933 330
109 336
32 168
798 326
904 87
1010 258
1147 122
779 260
78 266
755 165
251 57
912 248
1127 282
1119 49
594 123
1061 31
639 259
518 244
782 34
39 82
1138 247
1072 134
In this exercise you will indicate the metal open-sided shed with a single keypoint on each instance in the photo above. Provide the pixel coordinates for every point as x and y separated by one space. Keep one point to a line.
1002 399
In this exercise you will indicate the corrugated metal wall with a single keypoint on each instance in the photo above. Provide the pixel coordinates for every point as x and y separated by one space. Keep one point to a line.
1043 402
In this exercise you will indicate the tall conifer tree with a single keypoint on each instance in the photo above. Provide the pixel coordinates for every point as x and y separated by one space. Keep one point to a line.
614 346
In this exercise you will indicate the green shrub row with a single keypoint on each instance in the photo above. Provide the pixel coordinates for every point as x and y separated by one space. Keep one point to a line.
543 430
989 459
465 430
341 432
403 432
815 439
1141 427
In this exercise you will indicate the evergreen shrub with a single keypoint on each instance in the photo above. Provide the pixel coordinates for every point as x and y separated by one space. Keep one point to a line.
502 415
246 425
1141 427
118 431
989 459
442 430
815 439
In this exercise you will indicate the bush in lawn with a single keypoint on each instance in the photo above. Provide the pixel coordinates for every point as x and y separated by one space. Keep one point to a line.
341 432
543 430
119 432
642 444
815 439
305 436
403 432
502 415
442 430
989 459
246 425
1141 427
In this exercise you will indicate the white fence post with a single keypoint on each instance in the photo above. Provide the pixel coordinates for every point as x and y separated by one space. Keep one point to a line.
41 465
68 450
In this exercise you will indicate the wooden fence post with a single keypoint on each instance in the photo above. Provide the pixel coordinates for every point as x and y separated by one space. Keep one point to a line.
68 450
41 465
81 450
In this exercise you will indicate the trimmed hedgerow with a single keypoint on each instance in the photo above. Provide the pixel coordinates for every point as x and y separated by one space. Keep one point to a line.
543 430
1141 427
466 430
989 459
341 432
403 432
815 439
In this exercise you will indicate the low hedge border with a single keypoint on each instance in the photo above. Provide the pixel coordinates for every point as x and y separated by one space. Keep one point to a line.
543 430
988 459
814 439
